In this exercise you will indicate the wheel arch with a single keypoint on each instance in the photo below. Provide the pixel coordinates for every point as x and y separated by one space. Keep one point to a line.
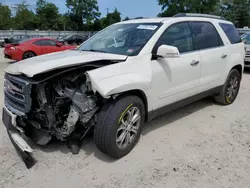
239 68
139 93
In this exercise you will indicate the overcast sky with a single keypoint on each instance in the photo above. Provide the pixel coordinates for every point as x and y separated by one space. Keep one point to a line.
130 8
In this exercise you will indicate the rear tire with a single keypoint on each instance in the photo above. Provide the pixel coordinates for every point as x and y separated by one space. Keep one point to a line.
230 89
116 132
28 55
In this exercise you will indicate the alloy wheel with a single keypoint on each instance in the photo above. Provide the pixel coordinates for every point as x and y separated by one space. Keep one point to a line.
129 127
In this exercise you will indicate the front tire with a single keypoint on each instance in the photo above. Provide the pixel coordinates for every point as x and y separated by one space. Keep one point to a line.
230 89
119 126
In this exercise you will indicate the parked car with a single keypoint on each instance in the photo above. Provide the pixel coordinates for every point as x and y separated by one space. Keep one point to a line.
15 39
61 37
159 65
1 43
28 48
73 40
246 39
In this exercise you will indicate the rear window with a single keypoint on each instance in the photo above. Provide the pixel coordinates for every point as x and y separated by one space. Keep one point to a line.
231 33
23 40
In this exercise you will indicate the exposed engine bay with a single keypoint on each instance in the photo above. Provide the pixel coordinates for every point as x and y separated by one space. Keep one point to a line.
59 103
63 106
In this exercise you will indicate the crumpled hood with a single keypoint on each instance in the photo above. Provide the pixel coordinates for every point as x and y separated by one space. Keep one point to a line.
45 63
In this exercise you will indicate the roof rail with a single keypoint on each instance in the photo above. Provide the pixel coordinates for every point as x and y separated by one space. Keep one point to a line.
198 15
138 17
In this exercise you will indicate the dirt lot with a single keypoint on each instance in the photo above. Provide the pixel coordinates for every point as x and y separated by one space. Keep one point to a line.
201 145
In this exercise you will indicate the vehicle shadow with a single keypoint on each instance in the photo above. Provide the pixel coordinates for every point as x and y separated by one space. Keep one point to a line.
11 62
88 147
176 115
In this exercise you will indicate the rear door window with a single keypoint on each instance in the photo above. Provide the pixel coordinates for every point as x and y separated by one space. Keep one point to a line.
231 32
205 35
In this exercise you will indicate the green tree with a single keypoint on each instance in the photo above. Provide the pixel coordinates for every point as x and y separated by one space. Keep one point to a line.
5 17
111 18
65 22
83 12
225 10
126 18
24 18
170 7
48 16
237 11
96 26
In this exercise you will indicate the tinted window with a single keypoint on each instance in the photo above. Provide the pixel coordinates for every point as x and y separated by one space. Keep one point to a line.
15 37
73 37
24 40
45 43
178 35
205 35
23 36
231 33
39 43
80 37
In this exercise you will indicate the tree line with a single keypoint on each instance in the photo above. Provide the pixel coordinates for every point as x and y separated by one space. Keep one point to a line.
236 11
85 15
81 15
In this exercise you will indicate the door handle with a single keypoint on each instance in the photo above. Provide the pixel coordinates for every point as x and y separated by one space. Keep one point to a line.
194 63
223 56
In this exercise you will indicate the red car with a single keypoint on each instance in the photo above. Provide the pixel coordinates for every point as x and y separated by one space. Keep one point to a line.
28 48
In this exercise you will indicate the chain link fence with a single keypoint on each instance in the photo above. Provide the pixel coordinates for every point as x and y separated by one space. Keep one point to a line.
51 34
55 34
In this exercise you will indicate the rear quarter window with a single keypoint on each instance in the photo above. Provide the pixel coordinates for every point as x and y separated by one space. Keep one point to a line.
231 32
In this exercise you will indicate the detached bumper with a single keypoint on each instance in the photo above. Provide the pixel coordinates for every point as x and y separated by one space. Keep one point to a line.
17 138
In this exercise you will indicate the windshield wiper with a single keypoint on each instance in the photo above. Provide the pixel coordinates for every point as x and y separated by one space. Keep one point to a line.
93 50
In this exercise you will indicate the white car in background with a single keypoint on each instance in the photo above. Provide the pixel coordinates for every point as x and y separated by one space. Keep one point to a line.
246 39
1 43
129 73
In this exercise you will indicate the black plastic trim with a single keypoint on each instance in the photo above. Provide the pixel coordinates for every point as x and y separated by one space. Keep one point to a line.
165 109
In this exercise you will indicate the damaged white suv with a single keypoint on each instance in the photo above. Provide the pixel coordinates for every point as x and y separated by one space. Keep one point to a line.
121 77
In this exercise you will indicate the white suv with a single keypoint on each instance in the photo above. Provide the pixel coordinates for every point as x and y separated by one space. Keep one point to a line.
246 39
129 73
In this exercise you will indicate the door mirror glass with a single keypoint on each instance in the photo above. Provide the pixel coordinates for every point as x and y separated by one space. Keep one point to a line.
166 51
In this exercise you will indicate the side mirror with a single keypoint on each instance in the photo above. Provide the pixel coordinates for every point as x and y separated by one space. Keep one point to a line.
58 44
165 51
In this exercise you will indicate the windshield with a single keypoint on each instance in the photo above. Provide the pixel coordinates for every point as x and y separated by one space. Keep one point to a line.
24 40
14 37
246 38
62 37
67 37
124 39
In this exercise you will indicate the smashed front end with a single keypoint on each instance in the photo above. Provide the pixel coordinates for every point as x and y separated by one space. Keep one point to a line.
61 106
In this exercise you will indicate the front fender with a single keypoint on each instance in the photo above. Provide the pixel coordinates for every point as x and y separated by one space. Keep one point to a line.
120 83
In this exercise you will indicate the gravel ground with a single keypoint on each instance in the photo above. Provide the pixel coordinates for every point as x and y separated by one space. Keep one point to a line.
201 145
